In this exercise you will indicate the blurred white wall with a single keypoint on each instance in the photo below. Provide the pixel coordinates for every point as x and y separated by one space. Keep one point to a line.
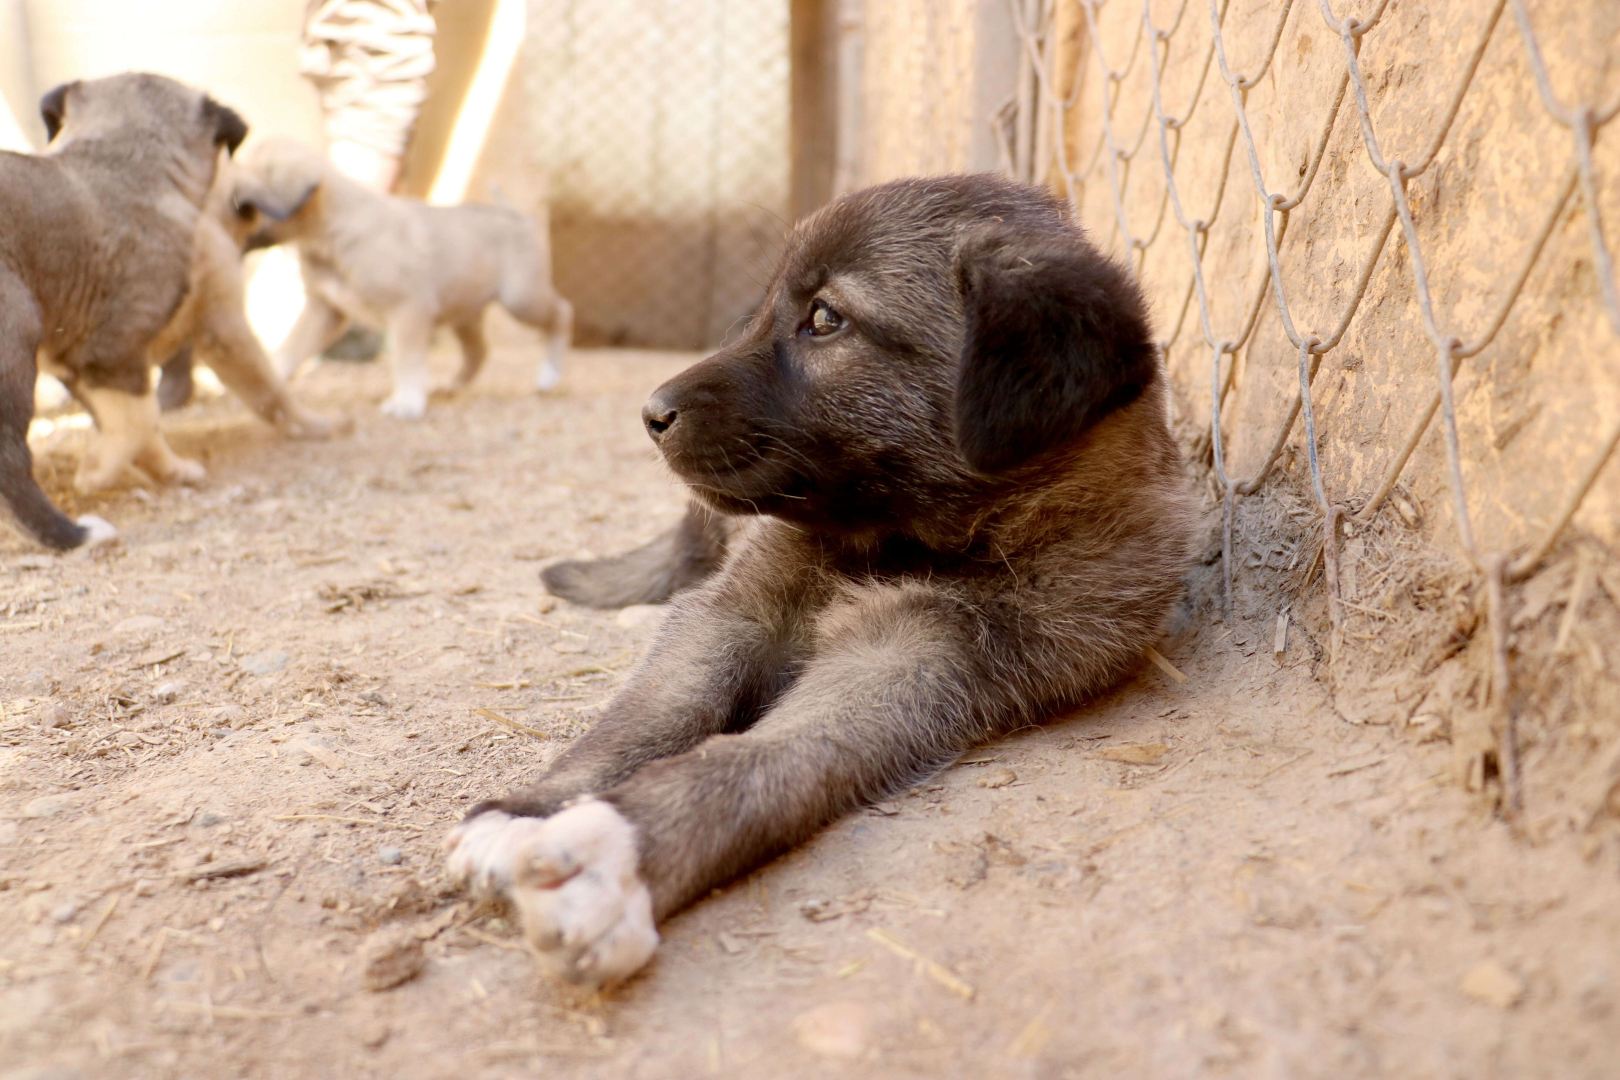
20 129
243 52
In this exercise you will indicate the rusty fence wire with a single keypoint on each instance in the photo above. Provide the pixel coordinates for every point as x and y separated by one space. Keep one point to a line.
1154 144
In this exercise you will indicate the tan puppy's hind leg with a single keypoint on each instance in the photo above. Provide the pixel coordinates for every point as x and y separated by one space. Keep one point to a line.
526 293
558 338
473 350
410 333
127 434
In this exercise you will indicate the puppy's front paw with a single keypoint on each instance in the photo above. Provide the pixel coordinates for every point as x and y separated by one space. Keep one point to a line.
572 878
406 404
181 470
313 426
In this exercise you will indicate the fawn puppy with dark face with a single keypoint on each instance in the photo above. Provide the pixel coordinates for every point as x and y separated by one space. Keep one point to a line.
946 428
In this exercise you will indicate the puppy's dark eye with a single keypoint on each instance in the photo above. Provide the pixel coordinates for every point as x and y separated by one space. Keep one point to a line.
823 320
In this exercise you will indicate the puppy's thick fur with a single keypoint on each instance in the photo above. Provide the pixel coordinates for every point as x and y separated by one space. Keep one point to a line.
398 265
949 418
95 260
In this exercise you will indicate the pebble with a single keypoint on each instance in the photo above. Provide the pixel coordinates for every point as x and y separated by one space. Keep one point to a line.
308 748
390 957
167 692
64 913
127 738
232 715
390 856
55 716
996 778
208 819
838 1029
139 624
48 805
265 663
1488 981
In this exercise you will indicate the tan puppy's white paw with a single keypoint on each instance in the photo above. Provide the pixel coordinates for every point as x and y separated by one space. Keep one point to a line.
547 376
573 880
99 530
184 471
405 404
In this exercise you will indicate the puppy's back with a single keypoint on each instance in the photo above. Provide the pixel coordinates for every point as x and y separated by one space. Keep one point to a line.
48 227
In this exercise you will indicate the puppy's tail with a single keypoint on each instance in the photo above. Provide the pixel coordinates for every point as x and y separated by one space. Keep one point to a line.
27 505
650 574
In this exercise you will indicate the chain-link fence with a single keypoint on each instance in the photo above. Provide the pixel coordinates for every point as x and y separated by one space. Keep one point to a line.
657 132
1253 165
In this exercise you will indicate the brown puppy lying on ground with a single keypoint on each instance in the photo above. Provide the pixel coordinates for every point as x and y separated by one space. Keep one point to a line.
398 265
950 413
95 255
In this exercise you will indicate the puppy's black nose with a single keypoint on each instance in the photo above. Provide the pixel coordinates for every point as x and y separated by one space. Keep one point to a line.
659 416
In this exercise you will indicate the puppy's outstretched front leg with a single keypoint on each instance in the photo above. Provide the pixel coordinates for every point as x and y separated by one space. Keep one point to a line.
712 667
568 862
888 698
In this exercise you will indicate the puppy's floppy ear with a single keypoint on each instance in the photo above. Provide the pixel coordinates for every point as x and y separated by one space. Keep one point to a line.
278 199
229 128
53 108
1057 338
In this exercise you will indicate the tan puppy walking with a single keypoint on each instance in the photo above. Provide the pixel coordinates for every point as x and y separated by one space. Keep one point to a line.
400 266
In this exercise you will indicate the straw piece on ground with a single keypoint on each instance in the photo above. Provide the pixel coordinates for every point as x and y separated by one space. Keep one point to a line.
491 714
936 971
1164 665
106 913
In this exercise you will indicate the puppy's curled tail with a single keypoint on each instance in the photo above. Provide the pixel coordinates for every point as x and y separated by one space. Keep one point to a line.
672 561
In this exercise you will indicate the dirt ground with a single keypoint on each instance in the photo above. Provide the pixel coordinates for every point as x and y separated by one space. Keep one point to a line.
232 741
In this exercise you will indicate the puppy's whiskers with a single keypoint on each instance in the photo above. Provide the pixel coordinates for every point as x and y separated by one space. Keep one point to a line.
762 423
